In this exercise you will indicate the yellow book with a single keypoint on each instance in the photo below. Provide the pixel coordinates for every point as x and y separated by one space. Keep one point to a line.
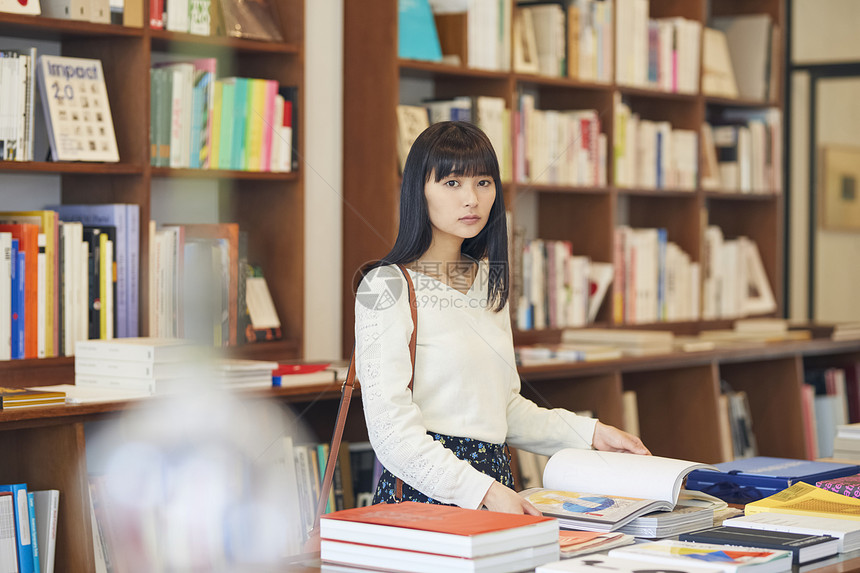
48 222
104 281
215 140
805 499
255 123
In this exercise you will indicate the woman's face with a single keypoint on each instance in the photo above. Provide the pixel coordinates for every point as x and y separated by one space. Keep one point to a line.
459 206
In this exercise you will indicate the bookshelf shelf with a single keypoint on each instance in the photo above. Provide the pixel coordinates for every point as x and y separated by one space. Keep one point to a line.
658 193
224 174
548 188
539 80
736 102
737 196
657 94
165 40
60 167
42 28
46 447
417 68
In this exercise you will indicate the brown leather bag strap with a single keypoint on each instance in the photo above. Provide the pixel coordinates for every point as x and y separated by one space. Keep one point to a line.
343 409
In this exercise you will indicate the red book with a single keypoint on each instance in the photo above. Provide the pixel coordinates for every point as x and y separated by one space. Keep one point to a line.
440 529
28 242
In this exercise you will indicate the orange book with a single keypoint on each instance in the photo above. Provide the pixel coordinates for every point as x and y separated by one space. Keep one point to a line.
28 242
440 529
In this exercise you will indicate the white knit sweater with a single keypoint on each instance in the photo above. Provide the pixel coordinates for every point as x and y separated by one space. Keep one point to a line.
466 384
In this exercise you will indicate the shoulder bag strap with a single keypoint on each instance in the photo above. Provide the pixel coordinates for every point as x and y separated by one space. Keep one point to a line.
346 396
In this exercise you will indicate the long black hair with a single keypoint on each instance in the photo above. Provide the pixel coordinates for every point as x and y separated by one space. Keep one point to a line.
451 148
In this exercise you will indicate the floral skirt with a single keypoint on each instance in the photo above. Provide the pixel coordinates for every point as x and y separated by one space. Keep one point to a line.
490 459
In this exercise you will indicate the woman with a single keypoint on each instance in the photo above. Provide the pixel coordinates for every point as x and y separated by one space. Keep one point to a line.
446 438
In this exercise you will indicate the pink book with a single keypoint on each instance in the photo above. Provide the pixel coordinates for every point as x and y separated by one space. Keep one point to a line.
848 485
268 127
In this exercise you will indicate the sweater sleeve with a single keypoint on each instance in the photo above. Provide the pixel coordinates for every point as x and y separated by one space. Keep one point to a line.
383 327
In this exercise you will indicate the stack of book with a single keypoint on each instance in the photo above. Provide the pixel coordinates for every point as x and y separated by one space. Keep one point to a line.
11 398
845 531
236 373
145 365
630 342
846 445
412 536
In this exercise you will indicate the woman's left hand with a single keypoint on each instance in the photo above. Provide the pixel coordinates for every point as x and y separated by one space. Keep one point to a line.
611 439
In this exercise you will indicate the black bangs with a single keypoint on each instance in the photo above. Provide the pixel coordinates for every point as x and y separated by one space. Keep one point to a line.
462 153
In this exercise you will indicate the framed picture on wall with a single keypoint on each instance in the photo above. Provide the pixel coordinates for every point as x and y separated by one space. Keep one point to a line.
839 188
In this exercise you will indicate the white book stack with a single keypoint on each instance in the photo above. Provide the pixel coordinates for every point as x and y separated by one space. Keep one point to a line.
846 444
236 373
144 365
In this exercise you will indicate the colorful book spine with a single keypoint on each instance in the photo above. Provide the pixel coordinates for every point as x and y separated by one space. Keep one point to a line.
255 117
18 300
215 138
34 536
228 121
240 124
22 526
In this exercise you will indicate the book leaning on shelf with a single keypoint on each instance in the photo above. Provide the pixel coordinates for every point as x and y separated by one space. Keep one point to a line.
77 111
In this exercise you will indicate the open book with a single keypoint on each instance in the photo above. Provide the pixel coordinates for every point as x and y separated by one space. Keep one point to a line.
602 491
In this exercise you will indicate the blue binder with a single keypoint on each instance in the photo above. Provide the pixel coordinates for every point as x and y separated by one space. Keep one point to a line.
750 479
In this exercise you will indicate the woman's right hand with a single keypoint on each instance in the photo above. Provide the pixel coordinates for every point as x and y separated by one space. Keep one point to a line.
505 500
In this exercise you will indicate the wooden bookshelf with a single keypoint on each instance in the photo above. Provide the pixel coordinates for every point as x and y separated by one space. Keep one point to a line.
683 384
46 447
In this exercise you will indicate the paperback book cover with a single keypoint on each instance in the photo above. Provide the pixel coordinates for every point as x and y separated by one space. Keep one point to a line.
804 547
727 558
762 476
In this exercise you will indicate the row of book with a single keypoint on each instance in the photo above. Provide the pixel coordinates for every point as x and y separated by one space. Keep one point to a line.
660 54
742 151
101 11
655 280
487 112
74 102
652 154
572 40
830 401
17 116
28 535
555 288
201 122
67 273
474 34
558 147
734 281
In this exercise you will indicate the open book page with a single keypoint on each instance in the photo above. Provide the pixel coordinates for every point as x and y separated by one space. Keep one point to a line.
591 512
616 474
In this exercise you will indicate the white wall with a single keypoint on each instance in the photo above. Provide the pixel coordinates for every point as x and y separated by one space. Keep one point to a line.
323 177
824 31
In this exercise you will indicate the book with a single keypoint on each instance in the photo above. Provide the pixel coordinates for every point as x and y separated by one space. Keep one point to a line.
27 237
22 525
729 559
417 38
152 350
572 543
449 530
605 563
765 475
31 506
804 547
251 19
391 559
846 532
847 485
8 537
77 111
592 490
46 504
11 398
804 499
748 38
412 120
302 374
